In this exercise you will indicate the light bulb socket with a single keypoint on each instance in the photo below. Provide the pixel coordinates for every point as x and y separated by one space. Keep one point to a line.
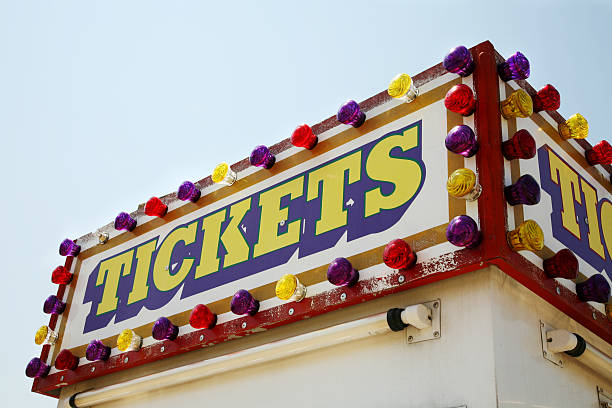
525 191
517 105
521 146
262 157
125 222
462 140
526 237
350 114
459 61
515 67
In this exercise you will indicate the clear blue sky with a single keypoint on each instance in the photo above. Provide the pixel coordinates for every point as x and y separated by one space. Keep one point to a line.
105 103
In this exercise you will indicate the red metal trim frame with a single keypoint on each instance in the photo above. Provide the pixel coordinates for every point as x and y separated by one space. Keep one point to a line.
490 163
466 260
494 250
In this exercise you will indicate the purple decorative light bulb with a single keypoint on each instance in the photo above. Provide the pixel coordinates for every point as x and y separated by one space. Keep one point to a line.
350 114
526 191
188 192
261 157
244 303
341 273
37 368
124 222
462 140
53 305
459 61
163 329
69 248
594 289
515 67
96 350
463 231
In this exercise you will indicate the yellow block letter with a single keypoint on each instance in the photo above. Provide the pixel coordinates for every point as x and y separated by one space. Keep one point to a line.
209 258
108 274
162 278
232 238
567 179
590 201
140 288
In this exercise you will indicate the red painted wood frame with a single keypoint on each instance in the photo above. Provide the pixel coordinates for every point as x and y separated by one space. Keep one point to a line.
494 250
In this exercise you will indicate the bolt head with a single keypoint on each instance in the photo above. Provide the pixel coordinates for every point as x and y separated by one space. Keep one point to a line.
125 360
436 334
291 311
410 338
343 296
93 369
162 349
401 279
244 325
201 337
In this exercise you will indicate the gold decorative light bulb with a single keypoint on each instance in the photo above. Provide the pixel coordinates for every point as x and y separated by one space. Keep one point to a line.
528 236
44 335
576 127
289 288
223 174
517 105
129 341
402 87
462 183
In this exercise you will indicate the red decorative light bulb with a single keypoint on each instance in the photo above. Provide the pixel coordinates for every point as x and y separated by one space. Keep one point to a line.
399 255
521 146
562 265
303 136
601 153
65 360
460 99
547 98
155 208
202 318
61 276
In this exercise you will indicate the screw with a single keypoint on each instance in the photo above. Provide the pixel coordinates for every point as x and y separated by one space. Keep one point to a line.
93 369
594 316
201 337
291 312
436 334
410 338
545 353
62 378
125 360
401 279
558 290
244 325
343 297
435 305
282 223
162 349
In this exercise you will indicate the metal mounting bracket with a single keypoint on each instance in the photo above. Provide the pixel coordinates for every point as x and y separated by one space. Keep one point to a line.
554 358
414 335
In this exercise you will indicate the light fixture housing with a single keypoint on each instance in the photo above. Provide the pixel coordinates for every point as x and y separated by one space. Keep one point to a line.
547 98
462 231
460 99
223 174
399 255
303 136
515 67
527 237
563 264
463 183
37 368
576 127
402 88
128 340
595 289
262 157
462 140
520 146
155 207
61 276
53 305
289 288
341 273
517 105
163 329
65 360
69 248
44 335
525 191
244 303
202 318
96 350
350 113
188 192
459 61
601 153
125 222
